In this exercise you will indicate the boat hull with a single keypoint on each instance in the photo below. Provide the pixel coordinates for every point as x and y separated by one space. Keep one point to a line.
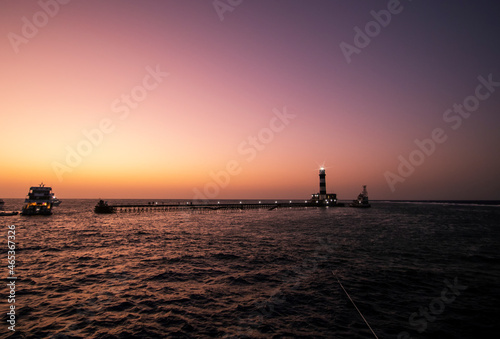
36 210
7 214
103 210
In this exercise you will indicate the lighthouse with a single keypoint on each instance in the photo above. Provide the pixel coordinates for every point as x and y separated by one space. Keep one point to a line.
327 199
322 182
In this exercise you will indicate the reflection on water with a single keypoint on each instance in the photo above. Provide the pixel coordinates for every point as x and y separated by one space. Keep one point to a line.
255 273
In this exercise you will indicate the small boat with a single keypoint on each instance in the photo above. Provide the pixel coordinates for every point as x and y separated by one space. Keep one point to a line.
102 207
2 202
8 214
362 200
55 201
38 201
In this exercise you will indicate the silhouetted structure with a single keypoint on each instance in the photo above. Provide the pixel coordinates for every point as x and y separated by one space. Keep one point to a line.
362 200
323 198
38 201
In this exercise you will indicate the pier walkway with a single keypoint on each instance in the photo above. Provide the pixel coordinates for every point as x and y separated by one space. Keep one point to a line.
155 207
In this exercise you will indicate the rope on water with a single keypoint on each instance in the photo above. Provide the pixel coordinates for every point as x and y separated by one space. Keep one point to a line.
354 305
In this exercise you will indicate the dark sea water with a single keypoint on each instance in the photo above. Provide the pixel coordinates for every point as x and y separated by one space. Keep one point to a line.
256 273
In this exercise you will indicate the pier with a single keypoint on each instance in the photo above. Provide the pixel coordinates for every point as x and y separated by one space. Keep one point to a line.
155 207
318 200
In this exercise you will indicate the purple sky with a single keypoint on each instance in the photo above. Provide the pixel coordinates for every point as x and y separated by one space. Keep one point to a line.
357 114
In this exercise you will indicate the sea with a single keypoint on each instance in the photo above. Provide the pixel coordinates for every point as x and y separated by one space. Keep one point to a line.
395 270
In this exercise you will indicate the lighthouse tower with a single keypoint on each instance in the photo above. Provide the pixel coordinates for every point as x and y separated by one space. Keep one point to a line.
323 198
322 183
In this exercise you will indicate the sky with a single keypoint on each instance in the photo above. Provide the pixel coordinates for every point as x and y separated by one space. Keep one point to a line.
233 99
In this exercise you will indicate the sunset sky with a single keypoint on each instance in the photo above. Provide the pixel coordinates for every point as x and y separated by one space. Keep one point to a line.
154 99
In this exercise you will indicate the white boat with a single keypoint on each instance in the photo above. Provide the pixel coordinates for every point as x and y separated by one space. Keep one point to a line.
55 201
38 201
